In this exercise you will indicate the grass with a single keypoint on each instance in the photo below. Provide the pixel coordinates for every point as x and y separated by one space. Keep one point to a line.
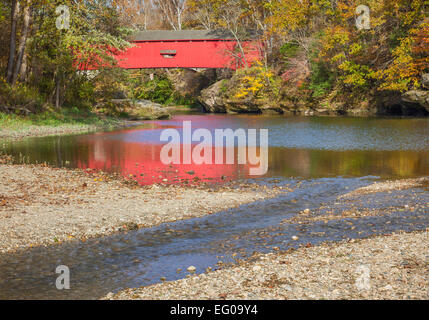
54 123
55 119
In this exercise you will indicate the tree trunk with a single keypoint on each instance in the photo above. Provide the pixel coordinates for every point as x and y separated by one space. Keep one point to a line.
22 41
179 18
243 55
57 95
12 44
24 67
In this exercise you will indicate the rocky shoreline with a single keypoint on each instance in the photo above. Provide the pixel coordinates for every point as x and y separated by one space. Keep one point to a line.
397 264
384 267
218 98
42 205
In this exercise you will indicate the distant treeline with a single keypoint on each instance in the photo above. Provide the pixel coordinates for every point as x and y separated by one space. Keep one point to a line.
315 50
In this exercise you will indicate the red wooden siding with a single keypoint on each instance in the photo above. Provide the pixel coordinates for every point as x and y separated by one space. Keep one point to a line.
185 54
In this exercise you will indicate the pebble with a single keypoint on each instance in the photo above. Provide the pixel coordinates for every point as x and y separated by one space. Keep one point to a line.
257 268
295 238
191 269
322 272
93 209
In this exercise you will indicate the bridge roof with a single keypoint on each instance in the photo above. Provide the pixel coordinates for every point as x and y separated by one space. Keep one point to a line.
165 35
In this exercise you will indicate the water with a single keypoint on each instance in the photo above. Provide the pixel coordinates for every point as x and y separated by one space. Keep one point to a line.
298 147
318 158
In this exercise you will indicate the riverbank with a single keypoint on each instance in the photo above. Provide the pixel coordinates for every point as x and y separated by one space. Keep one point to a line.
397 265
14 127
42 205
247 91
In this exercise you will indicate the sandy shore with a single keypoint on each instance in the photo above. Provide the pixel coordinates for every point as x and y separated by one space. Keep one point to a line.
384 267
42 205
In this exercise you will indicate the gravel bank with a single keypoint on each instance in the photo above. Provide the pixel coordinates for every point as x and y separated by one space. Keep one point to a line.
64 129
42 205
397 265
350 204
389 186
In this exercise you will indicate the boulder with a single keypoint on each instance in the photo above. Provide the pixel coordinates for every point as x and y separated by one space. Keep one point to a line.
418 97
141 109
246 105
147 110
212 98
189 82
425 81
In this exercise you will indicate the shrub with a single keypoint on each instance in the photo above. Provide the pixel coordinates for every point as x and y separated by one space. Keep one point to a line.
159 90
321 80
289 50
20 99
258 81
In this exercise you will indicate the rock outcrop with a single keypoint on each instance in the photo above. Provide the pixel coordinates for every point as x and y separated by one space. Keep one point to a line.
189 82
425 81
214 99
418 98
141 109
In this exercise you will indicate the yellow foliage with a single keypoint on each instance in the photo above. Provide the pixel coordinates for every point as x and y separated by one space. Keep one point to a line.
404 73
361 56
254 81
288 15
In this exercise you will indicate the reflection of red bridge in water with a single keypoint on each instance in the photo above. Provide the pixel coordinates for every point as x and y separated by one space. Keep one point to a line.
141 162
187 49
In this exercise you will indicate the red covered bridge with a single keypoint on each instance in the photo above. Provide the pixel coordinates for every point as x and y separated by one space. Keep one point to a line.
188 49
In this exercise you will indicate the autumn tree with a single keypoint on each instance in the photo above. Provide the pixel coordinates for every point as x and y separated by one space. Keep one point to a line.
14 16
172 11
363 58
45 58
201 14
137 14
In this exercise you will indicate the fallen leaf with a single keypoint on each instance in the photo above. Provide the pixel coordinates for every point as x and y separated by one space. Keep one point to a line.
223 295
